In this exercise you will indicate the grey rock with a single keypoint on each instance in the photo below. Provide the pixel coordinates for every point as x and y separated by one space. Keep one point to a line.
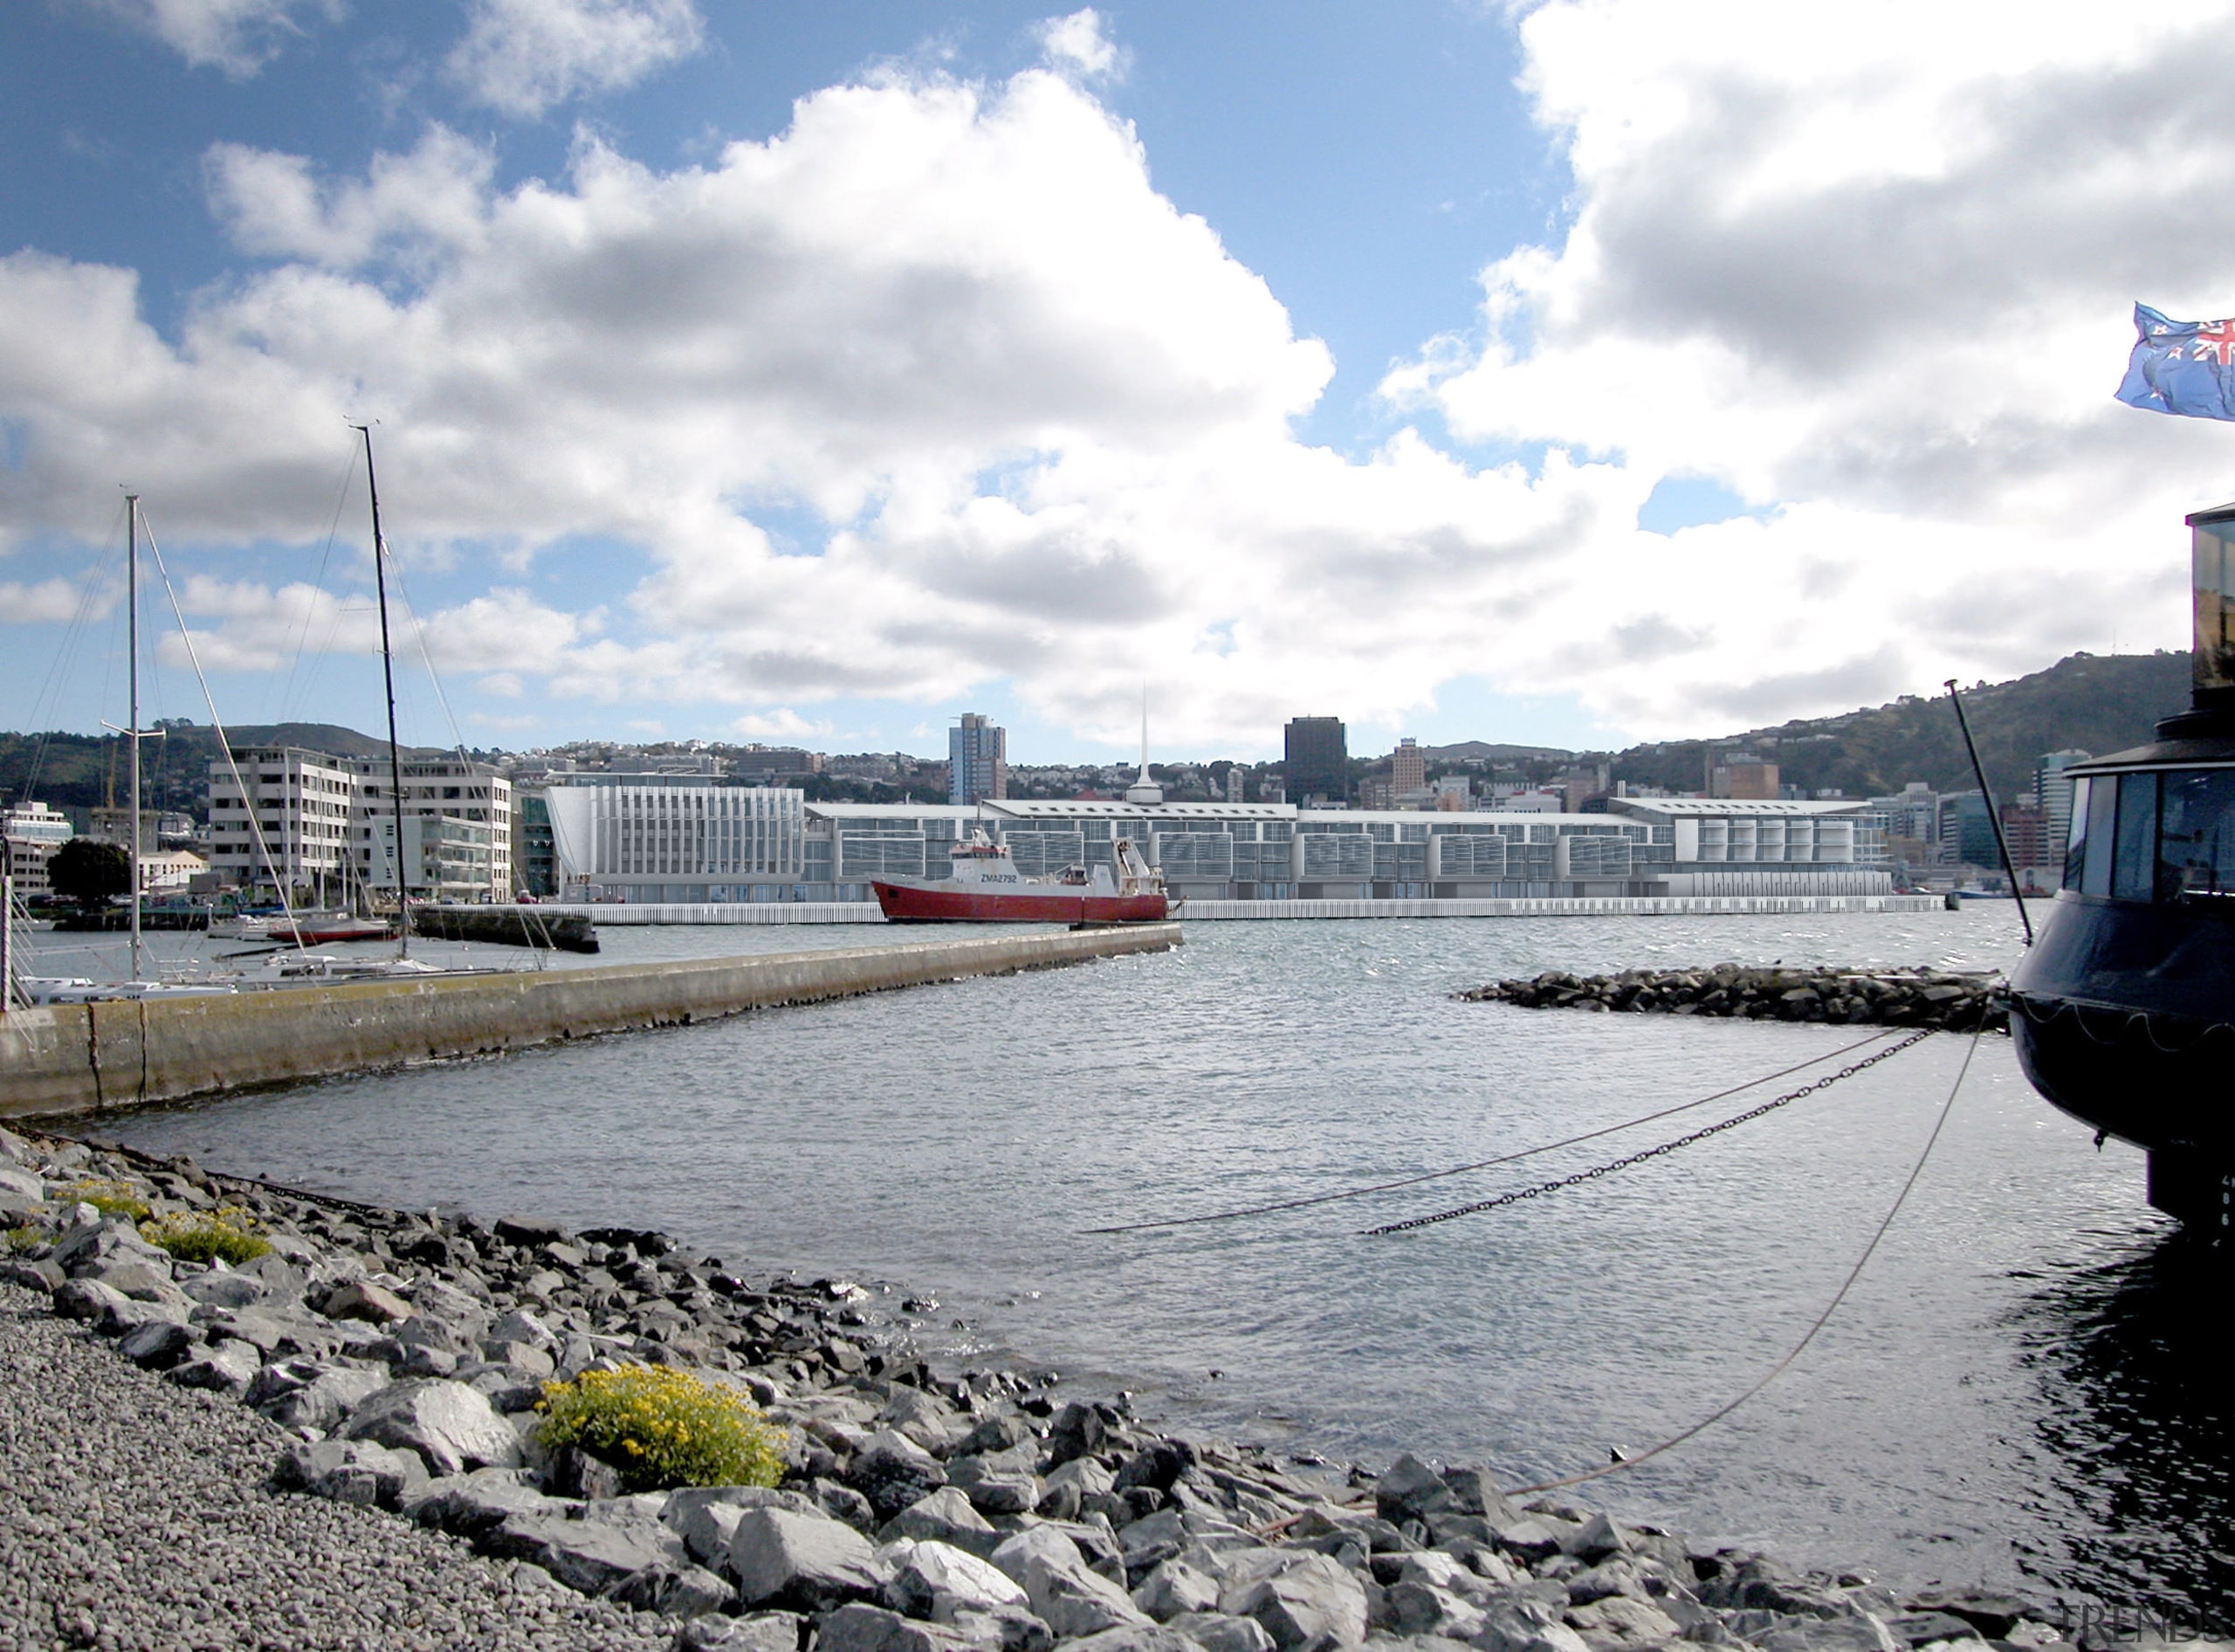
1599 1538
589 1555
1515 1622
1532 1537
1992 1614
1473 1492
944 1517
843 1503
140 1279
892 1471
705 1517
88 1300
355 1471
1415 1608
470 1506
330 1394
1004 1431
759 1632
1000 1629
995 1485
861 1627
1616 1621
1149 1637
1015 1553
1310 1607
925 1418
1411 1490
157 1345
1089 1477
1073 1601
1607 1579
224 1289
449 1425
278 1332
227 1368
1216 1632
1158 1465
1175 1589
686 1592
22 1183
362 1299
1921 1628
1858 1632
801 1561
932 1579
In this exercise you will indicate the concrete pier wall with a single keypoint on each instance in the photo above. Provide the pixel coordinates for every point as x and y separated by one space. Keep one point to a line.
66 1058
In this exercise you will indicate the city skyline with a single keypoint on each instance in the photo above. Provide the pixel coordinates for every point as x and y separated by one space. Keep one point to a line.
1386 366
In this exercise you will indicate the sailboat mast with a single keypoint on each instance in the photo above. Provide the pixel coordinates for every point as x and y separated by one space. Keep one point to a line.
387 677
132 673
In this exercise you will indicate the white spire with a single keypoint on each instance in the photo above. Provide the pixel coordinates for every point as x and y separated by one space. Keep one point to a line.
1145 790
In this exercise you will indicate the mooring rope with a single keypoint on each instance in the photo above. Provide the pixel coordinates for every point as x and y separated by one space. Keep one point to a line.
1807 1337
1596 1171
1503 1159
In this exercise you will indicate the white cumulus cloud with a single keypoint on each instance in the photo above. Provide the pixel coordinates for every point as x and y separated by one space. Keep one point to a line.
522 57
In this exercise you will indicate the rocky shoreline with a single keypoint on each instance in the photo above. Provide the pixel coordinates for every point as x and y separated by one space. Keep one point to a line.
1943 1000
393 1361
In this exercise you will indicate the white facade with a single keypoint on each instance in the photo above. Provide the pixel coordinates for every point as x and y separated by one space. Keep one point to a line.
674 838
322 818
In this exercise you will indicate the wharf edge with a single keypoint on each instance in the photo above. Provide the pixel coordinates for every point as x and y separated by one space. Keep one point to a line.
69 1058
606 914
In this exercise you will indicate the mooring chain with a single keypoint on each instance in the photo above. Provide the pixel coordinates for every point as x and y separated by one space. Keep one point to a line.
1596 1171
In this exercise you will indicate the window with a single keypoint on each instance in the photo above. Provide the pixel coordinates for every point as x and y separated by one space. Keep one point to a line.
2075 852
2195 838
2102 805
2134 868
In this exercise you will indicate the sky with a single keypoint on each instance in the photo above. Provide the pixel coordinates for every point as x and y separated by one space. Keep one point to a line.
1560 372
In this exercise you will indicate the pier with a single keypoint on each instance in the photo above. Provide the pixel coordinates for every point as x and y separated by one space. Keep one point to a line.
68 1059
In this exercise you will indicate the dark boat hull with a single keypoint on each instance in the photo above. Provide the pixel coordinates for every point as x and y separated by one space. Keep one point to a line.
2124 1014
916 903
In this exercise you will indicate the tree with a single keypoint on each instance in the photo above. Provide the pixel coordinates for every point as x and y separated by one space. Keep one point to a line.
88 872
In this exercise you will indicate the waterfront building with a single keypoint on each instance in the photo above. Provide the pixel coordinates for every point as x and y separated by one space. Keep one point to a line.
1316 759
1914 812
298 827
533 870
114 825
36 823
27 858
677 838
977 761
1233 784
321 820
1965 836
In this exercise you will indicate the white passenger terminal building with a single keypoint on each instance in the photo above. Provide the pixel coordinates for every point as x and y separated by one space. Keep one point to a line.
696 840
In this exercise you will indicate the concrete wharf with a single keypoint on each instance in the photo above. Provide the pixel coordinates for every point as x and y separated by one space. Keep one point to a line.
68 1058
825 911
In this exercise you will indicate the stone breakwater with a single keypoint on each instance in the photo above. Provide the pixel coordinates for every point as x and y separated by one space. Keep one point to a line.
391 1362
1940 999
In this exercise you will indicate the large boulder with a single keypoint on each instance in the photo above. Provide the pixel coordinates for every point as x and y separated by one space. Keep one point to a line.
861 1627
800 1562
452 1427
589 1555
759 1632
1075 1602
469 1505
1215 1632
892 1471
350 1471
1136 1637
931 1580
705 1517
1312 1606
1175 1589
944 1517
227 1368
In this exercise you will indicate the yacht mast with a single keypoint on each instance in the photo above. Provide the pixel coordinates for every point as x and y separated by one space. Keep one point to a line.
132 645
387 677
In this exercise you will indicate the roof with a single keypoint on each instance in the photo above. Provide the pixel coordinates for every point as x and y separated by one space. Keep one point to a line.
1725 807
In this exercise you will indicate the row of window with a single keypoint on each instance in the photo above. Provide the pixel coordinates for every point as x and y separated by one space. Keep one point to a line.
2165 835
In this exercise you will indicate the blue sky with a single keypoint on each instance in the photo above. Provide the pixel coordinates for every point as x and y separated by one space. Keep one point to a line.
1560 372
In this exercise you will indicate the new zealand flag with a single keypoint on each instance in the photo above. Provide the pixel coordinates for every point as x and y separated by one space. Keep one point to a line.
2181 367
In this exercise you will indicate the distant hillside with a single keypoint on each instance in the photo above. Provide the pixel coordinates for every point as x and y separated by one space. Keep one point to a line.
85 771
2096 704
1476 751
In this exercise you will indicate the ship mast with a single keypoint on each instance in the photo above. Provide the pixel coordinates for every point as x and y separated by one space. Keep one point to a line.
387 677
132 644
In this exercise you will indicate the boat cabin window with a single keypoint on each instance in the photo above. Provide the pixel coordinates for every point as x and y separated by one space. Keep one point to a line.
2162 836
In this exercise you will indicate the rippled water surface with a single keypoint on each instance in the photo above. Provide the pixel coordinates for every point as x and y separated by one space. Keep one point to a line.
2025 1385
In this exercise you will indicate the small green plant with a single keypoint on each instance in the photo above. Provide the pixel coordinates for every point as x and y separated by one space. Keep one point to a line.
110 1198
17 1241
663 1428
228 1235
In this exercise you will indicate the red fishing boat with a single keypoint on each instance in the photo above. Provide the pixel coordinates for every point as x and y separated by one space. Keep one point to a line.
985 887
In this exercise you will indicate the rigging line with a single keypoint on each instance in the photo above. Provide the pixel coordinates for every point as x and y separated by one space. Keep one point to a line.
1822 1319
1596 1171
64 657
1503 1159
325 557
224 741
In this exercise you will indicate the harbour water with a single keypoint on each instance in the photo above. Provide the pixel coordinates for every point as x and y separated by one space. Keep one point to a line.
2023 1388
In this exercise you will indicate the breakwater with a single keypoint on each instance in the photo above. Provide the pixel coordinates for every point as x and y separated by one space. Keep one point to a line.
395 1363
68 1059
506 926
1946 1000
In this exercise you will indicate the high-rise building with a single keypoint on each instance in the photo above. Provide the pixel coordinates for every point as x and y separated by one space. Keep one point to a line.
1966 832
2052 787
1316 758
1408 769
1233 784
977 760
